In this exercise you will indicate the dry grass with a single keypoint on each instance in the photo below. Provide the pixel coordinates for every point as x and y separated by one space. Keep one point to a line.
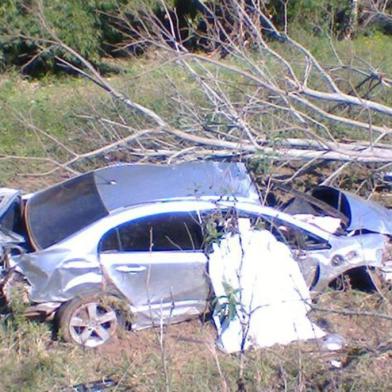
33 361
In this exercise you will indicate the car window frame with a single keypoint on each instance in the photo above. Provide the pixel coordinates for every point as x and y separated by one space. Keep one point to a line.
276 221
192 214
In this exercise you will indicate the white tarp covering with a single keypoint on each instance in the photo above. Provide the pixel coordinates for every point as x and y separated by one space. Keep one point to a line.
259 274
327 223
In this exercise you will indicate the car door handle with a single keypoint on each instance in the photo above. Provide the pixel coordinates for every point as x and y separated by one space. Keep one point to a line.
130 269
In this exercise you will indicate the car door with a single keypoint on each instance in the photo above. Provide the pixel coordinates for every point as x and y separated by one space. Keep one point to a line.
158 263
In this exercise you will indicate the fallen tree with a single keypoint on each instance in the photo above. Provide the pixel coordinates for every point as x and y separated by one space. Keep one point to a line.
262 93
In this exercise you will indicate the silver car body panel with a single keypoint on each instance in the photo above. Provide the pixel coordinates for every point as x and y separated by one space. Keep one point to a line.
362 214
366 214
317 265
10 238
60 274
7 198
147 280
171 285
126 185
80 201
151 281
359 251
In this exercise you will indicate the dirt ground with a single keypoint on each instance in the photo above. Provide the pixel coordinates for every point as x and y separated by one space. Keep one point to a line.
175 357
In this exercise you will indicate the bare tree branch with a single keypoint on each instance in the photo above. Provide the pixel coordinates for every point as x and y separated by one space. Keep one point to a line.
266 96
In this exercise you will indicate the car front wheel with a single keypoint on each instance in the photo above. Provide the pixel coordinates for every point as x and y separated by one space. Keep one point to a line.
90 321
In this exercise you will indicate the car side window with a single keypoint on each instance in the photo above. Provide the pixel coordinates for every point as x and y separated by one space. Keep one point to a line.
162 232
293 236
300 239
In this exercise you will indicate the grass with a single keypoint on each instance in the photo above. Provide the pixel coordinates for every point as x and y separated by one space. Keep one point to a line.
33 361
68 109
33 113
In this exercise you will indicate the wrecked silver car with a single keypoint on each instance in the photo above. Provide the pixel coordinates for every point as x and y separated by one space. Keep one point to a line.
135 239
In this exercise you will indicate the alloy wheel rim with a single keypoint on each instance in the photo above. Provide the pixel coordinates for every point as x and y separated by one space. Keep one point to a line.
92 324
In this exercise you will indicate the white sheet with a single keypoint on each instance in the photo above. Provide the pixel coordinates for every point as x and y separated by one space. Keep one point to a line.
271 292
326 223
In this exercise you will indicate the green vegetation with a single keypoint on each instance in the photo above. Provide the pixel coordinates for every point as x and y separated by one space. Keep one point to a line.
69 109
87 26
33 361
97 28
76 23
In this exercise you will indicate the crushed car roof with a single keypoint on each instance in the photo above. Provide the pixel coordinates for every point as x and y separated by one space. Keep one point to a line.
80 201
127 185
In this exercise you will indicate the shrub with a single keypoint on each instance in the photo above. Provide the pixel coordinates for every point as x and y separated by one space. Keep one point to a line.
85 25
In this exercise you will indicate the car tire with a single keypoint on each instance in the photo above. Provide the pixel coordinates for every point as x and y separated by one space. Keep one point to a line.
90 321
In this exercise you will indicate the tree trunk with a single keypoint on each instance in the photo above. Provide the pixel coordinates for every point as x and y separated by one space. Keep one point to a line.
352 20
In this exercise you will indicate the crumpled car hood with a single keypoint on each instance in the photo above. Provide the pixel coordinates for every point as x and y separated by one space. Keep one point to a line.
368 215
362 214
